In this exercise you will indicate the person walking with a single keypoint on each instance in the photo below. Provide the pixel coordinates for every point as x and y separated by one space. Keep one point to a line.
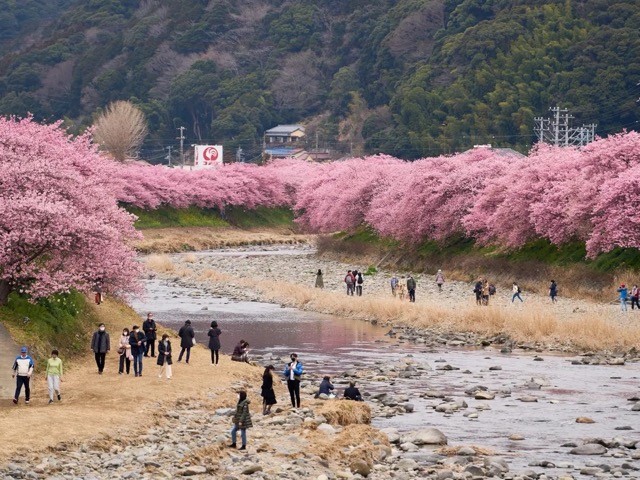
359 283
164 357
124 351
401 289
485 292
293 373
394 285
319 280
22 370
100 345
411 288
516 292
241 352
241 421
54 375
439 279
214 342
352 392
635 296
350 281
553 291
149 328
137 341
477 289
187 340
267 393
623 293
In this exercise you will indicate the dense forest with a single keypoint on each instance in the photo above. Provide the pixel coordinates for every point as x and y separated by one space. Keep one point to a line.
411 78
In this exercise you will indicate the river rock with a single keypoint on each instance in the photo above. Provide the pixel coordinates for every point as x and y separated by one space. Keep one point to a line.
528 399
194 470
326 429
584 420
251 469
360 467
425 436
515 437
589 449
636 407
480 395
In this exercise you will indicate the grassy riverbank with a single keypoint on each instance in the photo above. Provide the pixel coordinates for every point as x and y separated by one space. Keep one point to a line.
532 266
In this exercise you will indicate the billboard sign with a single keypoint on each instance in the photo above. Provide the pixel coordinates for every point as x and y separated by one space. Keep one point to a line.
207 156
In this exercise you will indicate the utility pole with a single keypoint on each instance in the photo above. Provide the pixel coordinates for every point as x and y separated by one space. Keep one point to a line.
181 138
558 132
168 157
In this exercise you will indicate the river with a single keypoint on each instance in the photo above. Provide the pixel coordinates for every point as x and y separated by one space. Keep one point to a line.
331 345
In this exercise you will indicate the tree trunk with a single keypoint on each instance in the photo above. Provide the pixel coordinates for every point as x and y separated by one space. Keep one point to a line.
5 290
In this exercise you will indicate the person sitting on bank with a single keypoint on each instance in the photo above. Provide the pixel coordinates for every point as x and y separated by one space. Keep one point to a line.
326 387
352 392
241 352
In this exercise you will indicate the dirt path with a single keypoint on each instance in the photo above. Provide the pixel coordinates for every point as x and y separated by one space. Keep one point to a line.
8 351
94 405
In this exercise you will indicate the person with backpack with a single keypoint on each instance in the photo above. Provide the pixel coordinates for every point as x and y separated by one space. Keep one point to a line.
623 292
293 373
187 340
164 357
635 296
214 342
553 291
241 421
394 285
350 281
439 279
54 375
23 367
100 345
137 340
359 283
516 292
411 288
149 328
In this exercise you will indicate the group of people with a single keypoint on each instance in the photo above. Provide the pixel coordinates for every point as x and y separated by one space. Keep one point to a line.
354 282
625 294
327 388
400 288
23 367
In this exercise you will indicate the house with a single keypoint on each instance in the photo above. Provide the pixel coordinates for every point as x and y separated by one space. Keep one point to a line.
274 153
283 134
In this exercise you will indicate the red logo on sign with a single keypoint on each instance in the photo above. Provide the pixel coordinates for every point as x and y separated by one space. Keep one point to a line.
210 154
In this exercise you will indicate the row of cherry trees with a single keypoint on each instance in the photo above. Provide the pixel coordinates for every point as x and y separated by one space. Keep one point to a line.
561 194
62 224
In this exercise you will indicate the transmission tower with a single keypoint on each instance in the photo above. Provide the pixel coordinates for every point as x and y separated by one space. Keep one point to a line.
558 131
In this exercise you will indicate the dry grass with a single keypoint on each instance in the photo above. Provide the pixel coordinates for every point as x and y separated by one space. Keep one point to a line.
160 263
453 451
175 240
93 405
361 442
345 412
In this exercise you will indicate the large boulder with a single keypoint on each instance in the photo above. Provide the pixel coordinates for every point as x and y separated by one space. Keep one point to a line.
589 449
425 436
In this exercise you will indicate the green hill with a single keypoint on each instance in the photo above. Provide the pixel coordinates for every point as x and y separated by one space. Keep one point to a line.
405 77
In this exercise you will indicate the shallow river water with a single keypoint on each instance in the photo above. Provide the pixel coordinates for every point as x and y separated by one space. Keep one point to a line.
331 345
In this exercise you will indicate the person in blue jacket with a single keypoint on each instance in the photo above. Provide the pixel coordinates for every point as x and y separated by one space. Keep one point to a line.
623 292
293 373
22 370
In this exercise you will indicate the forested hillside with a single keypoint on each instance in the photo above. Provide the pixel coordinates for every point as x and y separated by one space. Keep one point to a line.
407 77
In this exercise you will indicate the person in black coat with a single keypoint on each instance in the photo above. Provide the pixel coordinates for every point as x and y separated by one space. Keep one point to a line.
137 341
149 328
164 356
352 392
100 345
187 336
268 395
214 342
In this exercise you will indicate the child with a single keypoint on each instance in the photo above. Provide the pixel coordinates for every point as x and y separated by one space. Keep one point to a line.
241 420
54 375
164 356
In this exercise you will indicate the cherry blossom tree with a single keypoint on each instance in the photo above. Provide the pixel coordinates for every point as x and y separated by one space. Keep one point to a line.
60 226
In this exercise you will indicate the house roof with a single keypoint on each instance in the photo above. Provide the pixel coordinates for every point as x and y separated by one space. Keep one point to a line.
284 130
